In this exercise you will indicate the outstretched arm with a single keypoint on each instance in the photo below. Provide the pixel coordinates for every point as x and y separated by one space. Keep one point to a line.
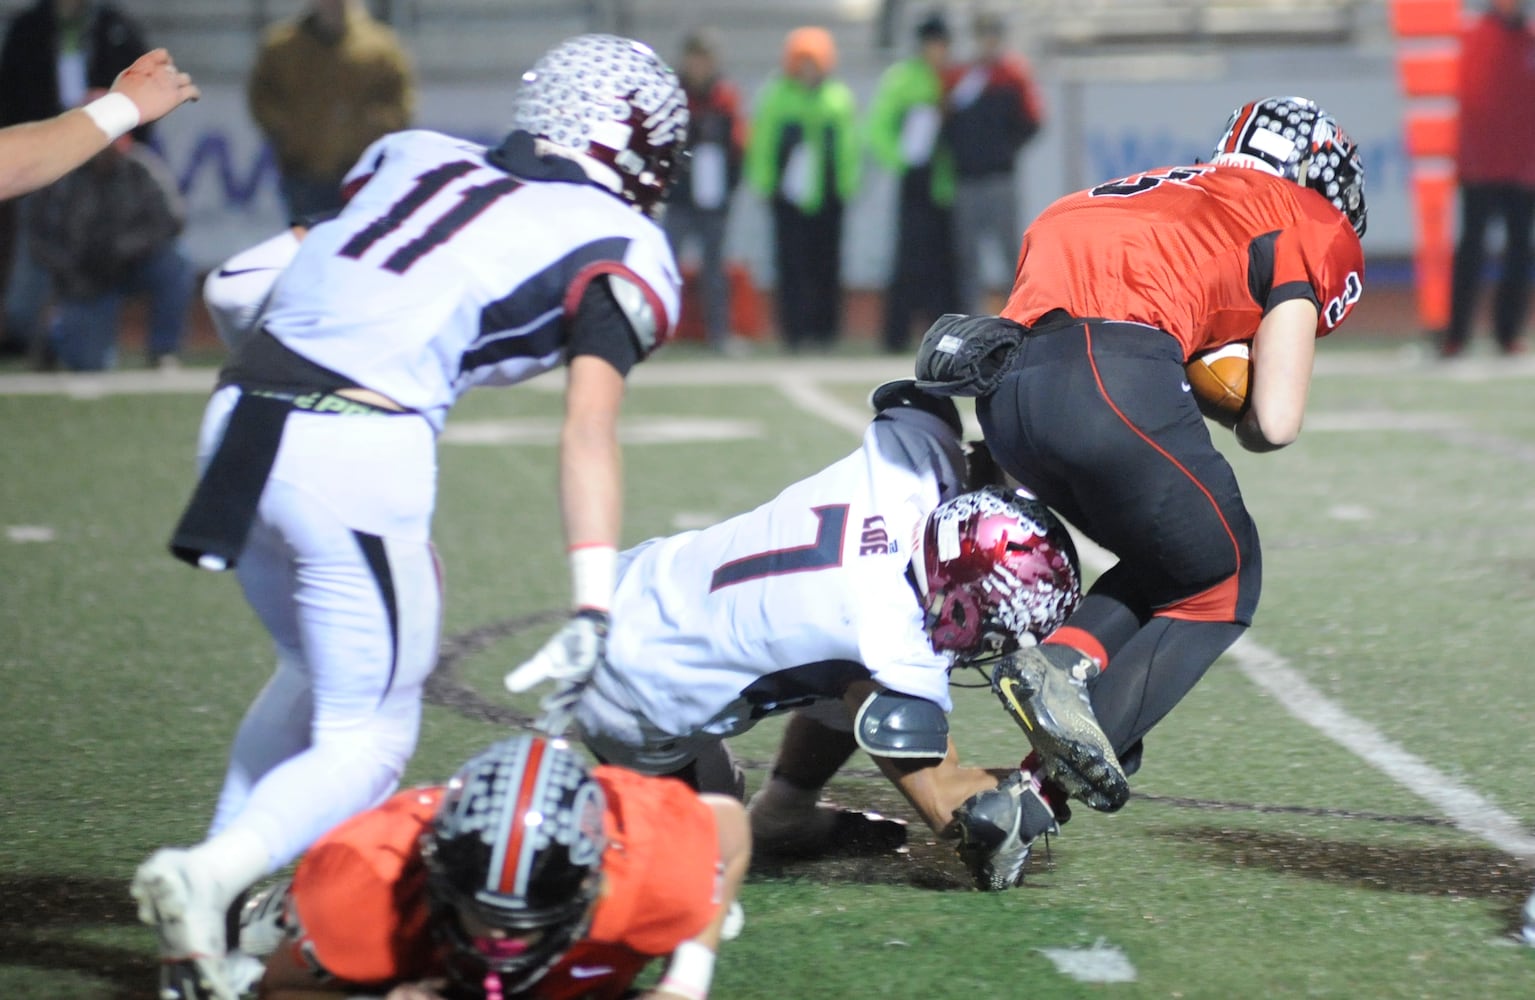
691 968
935 786
591 498
35 154
591 470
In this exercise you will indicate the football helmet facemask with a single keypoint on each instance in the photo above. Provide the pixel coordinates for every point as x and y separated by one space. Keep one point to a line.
995 569
1296 139
611 105
516 846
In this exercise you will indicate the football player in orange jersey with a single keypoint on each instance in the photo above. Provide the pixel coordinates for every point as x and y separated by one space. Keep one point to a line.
1081 394
528 875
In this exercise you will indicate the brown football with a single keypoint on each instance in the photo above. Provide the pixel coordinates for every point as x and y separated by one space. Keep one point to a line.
1219 379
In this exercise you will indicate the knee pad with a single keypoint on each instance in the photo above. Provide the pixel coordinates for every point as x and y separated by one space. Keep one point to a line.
718 771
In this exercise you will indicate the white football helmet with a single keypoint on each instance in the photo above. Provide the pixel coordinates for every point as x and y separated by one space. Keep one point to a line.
611 105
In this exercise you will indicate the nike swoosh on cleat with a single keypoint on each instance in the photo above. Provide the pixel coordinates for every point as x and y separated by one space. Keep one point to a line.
1007 684
226 273
587 972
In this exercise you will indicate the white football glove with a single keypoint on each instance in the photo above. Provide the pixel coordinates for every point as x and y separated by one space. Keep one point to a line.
568 660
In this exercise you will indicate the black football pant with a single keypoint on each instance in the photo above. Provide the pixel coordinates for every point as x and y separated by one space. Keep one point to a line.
923 276
1097 420
808 258
1480 204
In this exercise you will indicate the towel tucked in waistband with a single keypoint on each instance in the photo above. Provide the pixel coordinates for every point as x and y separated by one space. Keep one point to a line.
213 529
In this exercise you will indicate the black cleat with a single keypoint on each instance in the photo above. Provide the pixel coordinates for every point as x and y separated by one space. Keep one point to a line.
997 829
1044 689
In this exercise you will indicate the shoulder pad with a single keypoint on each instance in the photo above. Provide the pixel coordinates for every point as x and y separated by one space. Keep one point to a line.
635 303
891 724
967 355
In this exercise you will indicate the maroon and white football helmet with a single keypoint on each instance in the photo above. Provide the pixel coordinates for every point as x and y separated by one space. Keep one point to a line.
611 105
996 570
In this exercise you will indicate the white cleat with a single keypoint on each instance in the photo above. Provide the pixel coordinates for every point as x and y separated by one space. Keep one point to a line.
188 915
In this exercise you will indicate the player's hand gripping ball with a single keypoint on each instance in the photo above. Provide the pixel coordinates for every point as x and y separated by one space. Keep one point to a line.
1219 381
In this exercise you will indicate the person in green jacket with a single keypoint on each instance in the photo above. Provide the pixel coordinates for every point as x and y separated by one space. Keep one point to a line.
802 155
904 134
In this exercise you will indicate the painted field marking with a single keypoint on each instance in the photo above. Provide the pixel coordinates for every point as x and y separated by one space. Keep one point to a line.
29 533
631 431
1100 963
1272 673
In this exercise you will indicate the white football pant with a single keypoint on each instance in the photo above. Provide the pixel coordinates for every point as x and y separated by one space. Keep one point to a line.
339 568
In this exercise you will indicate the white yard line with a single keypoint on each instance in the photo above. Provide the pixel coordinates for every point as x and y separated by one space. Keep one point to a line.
1272 673
723 372
768 367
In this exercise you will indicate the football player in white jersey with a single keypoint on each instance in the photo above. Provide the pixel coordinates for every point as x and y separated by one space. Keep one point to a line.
451 266
846 597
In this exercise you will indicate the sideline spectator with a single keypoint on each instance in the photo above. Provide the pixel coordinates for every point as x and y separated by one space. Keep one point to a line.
904 128
326 84
993 110
105 232
1496 165
700 204
803 156
54 51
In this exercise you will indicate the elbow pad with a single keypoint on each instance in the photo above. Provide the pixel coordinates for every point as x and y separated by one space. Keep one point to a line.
891 724
634 302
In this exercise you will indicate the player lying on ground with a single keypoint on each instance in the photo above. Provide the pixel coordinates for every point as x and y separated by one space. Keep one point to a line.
810 602
452 265
1081 392
528 875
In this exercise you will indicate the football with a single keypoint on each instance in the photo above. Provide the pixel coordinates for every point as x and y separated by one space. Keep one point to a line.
1218 379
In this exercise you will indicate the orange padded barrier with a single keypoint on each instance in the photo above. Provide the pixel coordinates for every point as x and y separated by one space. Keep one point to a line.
1431 133
1433 194
1428 53
1429 72
1425 18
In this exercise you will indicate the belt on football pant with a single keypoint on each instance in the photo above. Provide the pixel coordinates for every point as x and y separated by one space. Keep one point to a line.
212 531
352 401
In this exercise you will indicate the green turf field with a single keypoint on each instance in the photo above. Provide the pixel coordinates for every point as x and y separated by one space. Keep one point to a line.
1343 808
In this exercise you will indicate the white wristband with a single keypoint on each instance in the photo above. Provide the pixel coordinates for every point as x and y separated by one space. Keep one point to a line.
115 114
593 575
690 971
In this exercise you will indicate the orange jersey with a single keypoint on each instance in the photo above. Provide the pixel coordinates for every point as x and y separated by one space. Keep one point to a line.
358 903
1200 252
